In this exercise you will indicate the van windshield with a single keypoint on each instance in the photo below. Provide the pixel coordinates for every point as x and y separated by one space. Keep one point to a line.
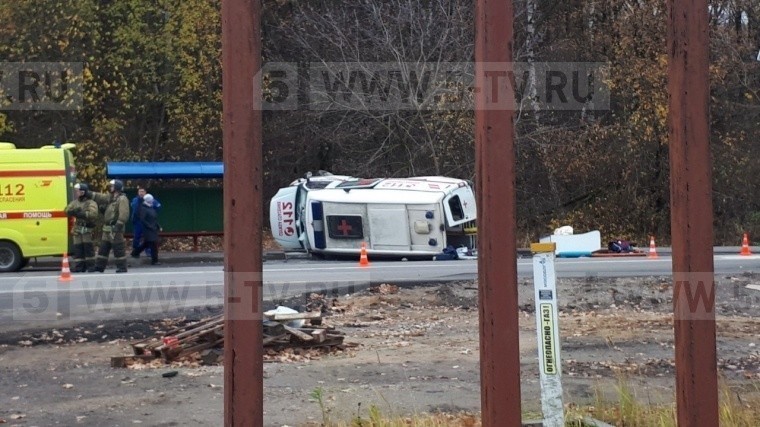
316 185
455 207
359 183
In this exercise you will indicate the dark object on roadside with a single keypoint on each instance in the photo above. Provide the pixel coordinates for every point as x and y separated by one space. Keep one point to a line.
449 253
621 246
169 374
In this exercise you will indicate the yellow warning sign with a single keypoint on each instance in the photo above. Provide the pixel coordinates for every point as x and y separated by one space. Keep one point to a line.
548 344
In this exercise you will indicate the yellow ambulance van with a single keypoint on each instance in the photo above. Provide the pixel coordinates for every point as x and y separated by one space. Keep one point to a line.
35 187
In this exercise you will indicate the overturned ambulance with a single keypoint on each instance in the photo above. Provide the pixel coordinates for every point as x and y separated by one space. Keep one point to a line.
335 214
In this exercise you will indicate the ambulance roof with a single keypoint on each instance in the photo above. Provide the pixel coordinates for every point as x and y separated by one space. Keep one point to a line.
32 158
375 195
12 146
427 184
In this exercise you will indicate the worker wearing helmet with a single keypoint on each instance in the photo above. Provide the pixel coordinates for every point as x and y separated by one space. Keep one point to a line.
85 210
114 220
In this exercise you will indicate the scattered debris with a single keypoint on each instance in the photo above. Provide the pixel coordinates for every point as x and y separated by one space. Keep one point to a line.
202 342
384 289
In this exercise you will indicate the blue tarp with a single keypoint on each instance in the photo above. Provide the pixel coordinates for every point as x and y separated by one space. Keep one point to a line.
167 170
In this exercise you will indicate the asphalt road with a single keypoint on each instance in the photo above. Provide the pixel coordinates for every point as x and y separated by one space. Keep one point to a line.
38 298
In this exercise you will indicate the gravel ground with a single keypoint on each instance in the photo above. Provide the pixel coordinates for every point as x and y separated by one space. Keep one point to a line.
417 351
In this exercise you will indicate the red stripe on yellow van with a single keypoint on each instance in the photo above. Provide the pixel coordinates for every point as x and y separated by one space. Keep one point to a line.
14 174
33 215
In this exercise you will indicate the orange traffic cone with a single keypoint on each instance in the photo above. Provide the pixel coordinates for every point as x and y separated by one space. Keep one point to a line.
363 261
652 249
65 271
745 246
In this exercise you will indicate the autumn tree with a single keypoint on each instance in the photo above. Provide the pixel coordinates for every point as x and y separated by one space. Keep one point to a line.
152 92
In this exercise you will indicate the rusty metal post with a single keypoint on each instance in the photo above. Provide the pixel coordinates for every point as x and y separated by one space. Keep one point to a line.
497 245
243 358
692 213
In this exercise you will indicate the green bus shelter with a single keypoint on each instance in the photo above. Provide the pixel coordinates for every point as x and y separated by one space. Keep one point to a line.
191 211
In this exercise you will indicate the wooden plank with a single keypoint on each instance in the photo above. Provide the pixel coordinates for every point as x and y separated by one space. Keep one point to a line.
198 324
199 336
298 334
319 335
195 336
200 347
214 324
273 328
269 340
214 334
205 326
139 348
295 316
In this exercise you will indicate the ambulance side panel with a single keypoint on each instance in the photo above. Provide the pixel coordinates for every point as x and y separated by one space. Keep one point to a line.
389 227
386 228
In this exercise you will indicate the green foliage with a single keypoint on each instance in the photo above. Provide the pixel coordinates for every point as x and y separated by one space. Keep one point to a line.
375 418
5 127
152 77
318 394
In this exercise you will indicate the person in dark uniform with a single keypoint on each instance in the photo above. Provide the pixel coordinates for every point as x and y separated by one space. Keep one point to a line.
85 210
115 218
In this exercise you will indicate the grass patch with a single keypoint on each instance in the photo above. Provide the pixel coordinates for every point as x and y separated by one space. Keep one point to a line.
739 406
374 418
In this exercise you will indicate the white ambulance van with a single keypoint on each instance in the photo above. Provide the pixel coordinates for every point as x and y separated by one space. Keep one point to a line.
417 216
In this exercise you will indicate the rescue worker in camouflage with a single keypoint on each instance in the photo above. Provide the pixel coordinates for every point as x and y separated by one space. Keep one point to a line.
114 220
85 210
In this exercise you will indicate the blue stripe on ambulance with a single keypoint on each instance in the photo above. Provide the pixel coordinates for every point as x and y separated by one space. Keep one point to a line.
317 215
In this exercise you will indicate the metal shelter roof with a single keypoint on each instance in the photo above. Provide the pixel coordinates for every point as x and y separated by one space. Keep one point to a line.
166 170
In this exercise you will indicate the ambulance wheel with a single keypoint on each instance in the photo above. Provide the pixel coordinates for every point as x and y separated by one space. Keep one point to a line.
10 257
